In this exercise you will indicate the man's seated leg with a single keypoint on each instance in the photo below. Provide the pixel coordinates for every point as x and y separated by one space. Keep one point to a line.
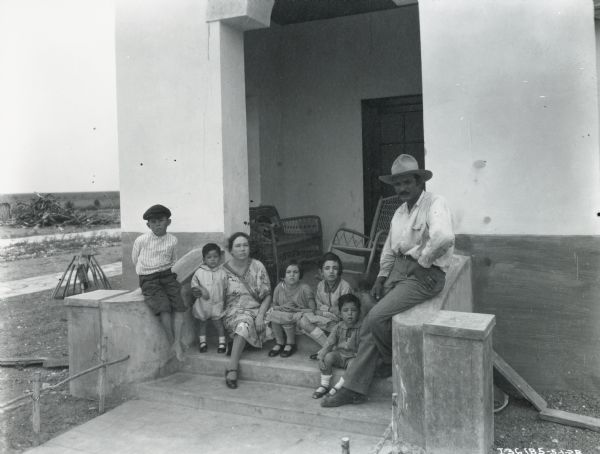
405 294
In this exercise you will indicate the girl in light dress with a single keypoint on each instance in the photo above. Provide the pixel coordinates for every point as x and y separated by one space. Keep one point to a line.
291 299
208 286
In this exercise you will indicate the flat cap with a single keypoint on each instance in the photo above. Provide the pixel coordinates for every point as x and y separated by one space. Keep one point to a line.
157 211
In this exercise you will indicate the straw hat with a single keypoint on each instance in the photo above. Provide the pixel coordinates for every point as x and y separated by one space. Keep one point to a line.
404 165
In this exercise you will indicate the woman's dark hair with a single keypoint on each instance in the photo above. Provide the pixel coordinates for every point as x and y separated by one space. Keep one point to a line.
295 263
330 256
348 298
210 247
234 237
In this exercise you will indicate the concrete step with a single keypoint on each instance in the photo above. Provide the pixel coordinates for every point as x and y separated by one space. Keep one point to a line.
143 427
255 365
270 401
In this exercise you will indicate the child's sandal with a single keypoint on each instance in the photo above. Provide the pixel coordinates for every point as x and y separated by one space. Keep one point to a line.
276 350
203 347
222 348
320 392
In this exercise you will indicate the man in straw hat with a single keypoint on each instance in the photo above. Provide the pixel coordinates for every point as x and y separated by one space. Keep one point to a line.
414 261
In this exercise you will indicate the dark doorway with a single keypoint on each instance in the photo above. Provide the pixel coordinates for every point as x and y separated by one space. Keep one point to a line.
391 126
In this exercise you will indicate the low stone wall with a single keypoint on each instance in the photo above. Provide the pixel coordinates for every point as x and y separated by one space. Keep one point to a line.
131 329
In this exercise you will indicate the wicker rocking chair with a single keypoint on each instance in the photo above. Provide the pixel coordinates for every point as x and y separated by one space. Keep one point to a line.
368 247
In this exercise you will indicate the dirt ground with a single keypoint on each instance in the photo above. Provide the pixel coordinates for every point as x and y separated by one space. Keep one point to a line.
36 325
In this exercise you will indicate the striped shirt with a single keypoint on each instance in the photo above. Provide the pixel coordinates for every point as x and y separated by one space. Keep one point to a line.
425 233
152 253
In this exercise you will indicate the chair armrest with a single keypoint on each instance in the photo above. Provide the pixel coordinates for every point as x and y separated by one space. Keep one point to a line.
349 238
301 225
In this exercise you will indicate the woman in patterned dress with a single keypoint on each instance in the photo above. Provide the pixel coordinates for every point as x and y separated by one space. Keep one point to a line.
247 299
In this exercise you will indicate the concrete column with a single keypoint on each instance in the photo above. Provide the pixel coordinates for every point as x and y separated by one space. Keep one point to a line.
226 133
458 365
182 116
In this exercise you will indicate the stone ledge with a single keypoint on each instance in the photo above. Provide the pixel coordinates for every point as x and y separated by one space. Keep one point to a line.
461 324
92 299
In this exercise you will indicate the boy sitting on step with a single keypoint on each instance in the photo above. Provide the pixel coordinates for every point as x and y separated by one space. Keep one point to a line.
341 345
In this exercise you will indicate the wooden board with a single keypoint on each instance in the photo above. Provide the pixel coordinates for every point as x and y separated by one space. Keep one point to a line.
570 419
56 362
517 381
21 361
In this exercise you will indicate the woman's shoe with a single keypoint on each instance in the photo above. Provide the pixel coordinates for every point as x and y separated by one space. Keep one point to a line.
320 392
222 348
203 347
231 383
276 350
314 356
286 353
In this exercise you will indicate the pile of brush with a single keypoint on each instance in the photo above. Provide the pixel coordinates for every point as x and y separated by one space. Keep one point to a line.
44 210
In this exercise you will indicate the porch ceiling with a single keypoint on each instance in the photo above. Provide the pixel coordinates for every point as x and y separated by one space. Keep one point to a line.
294 11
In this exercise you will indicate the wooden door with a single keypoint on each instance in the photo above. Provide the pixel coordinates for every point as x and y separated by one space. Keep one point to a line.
391 126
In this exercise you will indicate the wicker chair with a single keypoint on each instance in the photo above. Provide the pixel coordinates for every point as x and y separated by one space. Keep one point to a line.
368 247
274 240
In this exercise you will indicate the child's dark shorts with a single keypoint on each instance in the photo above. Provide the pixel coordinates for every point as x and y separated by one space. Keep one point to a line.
340 360
162 292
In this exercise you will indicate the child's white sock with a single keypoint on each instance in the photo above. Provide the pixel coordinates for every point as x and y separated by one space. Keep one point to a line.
202 339
222 340
318 335
325 380
339 384
337 387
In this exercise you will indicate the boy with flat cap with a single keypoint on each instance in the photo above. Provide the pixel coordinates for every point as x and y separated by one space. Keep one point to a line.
153 255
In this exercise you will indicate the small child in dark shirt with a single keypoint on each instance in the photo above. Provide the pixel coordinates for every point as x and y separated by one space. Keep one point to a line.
341 345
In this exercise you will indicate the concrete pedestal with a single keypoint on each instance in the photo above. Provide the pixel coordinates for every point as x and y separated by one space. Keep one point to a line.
458 362
131 328
84 331
407 330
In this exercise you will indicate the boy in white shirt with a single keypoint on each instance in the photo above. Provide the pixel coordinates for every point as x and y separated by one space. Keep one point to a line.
153 255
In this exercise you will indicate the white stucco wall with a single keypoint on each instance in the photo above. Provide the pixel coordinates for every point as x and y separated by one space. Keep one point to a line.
511 127
169 141
311 78
511 114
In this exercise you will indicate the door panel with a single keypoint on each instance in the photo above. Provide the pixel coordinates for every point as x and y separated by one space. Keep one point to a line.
391 126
